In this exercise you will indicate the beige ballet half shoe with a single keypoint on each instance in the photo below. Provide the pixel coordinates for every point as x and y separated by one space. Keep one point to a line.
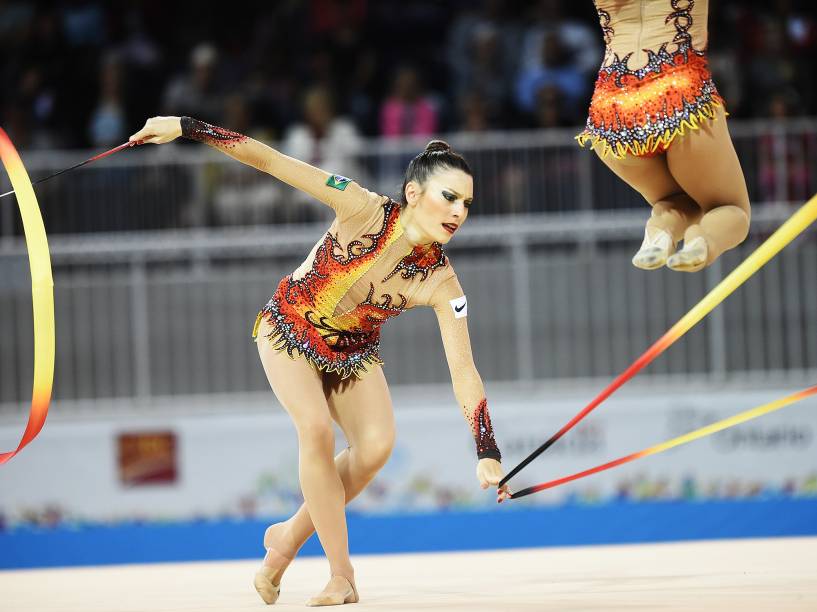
691 258
346 594
264 584
655 249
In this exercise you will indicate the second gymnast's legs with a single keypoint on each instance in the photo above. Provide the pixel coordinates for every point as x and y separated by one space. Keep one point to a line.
673 211
705 164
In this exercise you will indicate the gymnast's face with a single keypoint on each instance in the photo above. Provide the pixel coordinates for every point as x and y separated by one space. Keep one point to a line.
440 205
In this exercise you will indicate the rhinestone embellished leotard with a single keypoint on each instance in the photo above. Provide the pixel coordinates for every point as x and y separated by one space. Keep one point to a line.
654 82
360 274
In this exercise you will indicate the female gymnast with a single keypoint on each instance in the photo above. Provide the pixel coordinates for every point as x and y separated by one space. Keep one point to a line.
654 90
320 333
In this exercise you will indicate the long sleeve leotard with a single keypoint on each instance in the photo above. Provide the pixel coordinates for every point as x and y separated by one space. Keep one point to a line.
361 273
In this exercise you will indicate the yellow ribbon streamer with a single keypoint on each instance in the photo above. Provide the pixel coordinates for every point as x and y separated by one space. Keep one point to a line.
737 419
42 292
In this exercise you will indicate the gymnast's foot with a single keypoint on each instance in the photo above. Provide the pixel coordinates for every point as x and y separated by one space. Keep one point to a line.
691 258
339 590
280 552
656 248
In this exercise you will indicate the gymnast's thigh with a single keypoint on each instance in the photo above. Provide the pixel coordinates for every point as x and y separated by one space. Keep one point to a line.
362 407
649 176
706 166
296 384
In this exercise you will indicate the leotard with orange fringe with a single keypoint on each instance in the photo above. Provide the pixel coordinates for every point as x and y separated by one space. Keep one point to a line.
642 111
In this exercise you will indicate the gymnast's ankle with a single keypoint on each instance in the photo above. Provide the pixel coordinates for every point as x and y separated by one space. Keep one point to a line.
281 548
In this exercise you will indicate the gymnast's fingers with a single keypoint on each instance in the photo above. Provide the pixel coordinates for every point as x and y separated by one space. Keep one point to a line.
489 472
503 493
483 475
158 130
146 134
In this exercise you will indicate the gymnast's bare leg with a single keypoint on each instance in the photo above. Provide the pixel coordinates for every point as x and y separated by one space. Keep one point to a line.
673 211
362 408
698 193
705 164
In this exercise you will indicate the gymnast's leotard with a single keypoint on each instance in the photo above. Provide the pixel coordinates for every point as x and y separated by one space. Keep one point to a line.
654 81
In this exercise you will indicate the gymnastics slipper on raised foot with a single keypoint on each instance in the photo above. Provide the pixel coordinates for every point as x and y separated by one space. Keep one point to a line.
346 593
691 258
268 591
654 251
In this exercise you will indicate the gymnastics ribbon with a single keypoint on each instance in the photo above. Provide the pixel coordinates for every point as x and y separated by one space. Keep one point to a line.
42 292
787 232
684 439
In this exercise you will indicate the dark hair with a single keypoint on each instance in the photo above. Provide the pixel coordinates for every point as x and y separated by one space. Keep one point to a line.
437 155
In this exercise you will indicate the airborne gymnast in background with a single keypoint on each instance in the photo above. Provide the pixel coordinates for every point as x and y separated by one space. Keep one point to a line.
319 334
657 121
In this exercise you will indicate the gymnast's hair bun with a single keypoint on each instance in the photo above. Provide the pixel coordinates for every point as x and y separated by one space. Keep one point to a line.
438 146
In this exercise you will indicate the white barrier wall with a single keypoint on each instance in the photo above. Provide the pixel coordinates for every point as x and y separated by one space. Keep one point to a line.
241 460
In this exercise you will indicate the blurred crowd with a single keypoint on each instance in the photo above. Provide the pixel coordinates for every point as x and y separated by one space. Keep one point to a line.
272 498
319 75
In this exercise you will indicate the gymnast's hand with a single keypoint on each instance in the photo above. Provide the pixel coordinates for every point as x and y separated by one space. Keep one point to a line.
489 472
159 130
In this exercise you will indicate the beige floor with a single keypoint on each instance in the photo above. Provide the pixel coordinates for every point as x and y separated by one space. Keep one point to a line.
740 575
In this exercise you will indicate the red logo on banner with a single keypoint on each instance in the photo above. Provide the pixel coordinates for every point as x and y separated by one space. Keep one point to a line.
147 458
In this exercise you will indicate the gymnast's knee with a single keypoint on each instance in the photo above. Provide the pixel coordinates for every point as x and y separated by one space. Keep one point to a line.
372 451
678 203
316 436
739 221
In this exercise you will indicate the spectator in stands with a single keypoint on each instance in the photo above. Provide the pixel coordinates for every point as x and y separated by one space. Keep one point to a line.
196 93
473 113
482 57
56 55
577 38
322 139
362 91
548 112
784 171
107 126
408 111
467 25
239 196
558 70
771 69
36 99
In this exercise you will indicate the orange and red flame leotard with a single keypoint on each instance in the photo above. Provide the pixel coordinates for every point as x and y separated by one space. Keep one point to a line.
654 82
360 274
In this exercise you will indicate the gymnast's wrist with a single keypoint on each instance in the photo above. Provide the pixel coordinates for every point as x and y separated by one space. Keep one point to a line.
492 453
186 124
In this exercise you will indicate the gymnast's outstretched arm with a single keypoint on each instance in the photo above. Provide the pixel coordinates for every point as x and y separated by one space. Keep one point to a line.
450 306
345 196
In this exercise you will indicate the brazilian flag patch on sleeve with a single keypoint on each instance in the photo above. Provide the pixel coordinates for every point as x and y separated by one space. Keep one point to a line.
338 182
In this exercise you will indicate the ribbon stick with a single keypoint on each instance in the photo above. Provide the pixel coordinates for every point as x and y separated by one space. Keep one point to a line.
80 164
689 437
787 232
42 292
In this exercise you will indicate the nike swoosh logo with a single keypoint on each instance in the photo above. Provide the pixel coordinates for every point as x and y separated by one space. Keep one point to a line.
459 308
